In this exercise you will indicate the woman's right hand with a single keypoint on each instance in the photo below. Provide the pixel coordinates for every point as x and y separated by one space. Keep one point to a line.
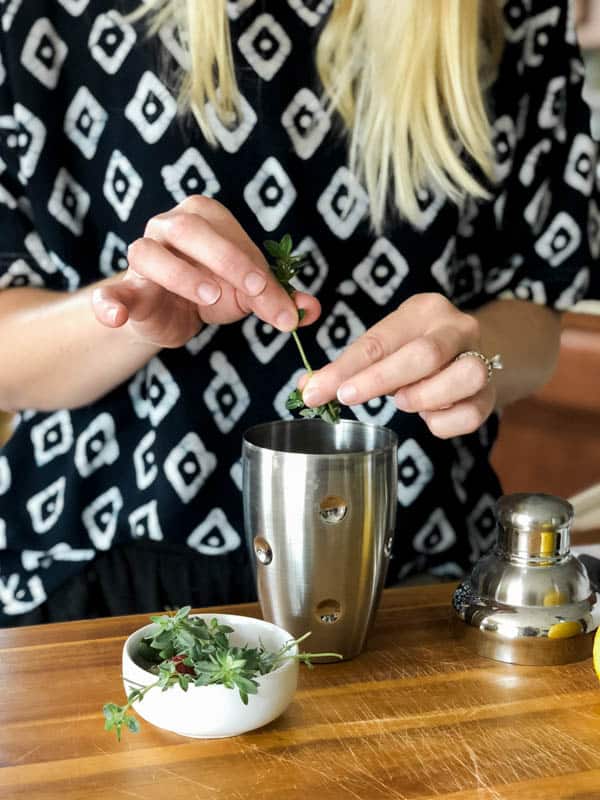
194 265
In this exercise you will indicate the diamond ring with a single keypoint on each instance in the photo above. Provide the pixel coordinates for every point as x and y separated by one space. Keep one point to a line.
495 362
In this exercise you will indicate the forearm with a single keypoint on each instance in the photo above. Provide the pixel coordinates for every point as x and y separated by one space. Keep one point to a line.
55 354
527 336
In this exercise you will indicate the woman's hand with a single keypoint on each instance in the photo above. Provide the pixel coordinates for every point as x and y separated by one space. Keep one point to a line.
411 355
195 264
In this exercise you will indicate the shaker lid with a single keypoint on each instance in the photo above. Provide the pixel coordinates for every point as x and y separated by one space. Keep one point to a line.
533 512
530 601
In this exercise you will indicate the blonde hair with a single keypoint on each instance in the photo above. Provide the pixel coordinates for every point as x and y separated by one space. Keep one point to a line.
406 76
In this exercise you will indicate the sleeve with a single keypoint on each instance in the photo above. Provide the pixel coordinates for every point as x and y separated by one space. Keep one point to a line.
546 242
24 261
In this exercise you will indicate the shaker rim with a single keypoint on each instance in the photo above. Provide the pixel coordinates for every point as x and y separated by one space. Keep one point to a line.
391 436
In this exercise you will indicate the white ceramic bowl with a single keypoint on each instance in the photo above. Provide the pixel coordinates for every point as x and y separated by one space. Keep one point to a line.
206 712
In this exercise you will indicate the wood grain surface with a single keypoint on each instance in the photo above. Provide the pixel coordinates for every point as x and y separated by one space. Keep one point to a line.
415 716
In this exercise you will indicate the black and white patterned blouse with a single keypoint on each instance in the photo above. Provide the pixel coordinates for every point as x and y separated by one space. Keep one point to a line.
91 147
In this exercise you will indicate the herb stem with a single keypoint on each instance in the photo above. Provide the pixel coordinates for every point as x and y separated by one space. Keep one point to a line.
285 267
333 410
302 353
141 693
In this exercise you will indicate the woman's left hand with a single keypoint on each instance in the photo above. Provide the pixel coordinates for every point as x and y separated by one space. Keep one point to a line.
411 355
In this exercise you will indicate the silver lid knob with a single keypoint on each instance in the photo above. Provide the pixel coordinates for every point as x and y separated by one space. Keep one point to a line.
533 526
532 512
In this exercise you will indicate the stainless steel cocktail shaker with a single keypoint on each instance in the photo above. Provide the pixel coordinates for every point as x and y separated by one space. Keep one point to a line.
320 512
530 600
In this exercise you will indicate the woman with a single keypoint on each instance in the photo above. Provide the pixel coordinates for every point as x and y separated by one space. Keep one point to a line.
464 226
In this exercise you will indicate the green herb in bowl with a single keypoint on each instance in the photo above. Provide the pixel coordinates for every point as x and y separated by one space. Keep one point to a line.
196 651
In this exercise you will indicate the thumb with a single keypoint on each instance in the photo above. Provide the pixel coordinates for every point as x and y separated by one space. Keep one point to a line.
116 303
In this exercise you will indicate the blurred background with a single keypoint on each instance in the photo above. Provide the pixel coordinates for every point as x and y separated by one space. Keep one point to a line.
588 27
551 441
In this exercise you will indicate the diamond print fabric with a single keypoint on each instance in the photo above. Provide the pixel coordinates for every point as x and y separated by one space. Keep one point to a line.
84 122
44 53
91 147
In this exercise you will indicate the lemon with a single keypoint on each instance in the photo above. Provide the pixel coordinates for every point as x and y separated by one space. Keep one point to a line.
596 653
547 543
564 630
555 598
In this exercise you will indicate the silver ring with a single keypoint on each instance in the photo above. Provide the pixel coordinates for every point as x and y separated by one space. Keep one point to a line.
495 362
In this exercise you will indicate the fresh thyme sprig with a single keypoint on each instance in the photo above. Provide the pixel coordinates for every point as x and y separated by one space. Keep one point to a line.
285 267
188 651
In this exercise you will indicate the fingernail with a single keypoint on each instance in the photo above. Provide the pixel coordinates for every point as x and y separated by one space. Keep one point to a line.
111 314
311 394
346 394
255 283
208 293
286 321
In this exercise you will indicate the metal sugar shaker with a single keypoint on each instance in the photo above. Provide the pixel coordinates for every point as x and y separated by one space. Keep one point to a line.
529 601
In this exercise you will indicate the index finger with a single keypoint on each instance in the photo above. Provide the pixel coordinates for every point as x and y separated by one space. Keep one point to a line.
373 346
192 236
413 319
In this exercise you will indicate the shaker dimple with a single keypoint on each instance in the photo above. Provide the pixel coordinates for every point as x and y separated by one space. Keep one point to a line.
262 550
333 509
